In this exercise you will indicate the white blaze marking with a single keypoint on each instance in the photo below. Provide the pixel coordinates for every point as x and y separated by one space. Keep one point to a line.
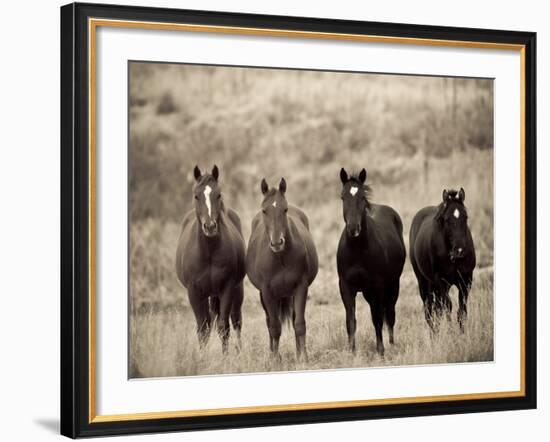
207 192
274 204
456 214
353 190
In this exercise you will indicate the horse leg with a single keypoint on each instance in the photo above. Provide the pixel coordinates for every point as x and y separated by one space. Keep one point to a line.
265 310
463 291
271 306
389 310
427 295
236 316
299 322
443 302
201 311
377 314
348 298
226 301
447 305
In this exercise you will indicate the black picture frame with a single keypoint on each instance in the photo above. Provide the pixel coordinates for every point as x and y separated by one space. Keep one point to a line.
75 194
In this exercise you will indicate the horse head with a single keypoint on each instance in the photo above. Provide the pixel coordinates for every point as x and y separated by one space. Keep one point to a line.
208 201
453 218
354 200
274 211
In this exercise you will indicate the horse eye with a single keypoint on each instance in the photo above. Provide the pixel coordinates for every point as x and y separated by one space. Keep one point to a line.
219 195
286 210
196 197
263 211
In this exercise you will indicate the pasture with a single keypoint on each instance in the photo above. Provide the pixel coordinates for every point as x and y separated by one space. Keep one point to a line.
414 135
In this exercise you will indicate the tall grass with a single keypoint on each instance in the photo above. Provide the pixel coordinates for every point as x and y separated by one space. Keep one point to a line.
415 136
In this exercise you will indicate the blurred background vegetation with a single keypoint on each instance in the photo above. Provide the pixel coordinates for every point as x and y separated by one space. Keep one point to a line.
414 135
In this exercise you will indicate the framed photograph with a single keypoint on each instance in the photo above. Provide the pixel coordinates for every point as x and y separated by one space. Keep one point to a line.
278 220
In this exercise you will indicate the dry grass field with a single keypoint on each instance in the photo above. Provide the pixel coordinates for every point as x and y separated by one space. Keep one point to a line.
415 136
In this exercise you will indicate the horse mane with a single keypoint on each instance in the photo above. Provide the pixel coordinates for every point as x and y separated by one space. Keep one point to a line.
367 190
205 179
272 191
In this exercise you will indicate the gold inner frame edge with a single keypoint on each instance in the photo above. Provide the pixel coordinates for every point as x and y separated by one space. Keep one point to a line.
93 24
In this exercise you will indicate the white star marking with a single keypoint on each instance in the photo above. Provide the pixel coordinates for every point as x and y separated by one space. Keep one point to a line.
456 214
353 190
274 204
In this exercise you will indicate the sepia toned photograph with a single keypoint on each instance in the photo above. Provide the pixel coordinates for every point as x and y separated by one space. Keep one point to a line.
289 220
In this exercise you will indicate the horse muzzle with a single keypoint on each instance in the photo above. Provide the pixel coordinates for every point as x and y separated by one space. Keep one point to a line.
210 229
277 246
456 253
353 231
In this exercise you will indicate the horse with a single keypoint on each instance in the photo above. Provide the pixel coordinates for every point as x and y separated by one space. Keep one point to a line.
281 262
210 260
442 254
370 257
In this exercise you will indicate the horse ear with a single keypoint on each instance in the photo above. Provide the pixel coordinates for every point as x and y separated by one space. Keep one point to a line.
282 186
264 186
215 172
363 176
445 195
197 173
343 176
462 194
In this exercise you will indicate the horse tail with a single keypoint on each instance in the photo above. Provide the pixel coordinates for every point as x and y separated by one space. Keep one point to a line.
214 307
286 309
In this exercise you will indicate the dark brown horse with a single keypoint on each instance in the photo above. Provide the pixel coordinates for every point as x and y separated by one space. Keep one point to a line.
210 260
442 254
282 263
370 258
